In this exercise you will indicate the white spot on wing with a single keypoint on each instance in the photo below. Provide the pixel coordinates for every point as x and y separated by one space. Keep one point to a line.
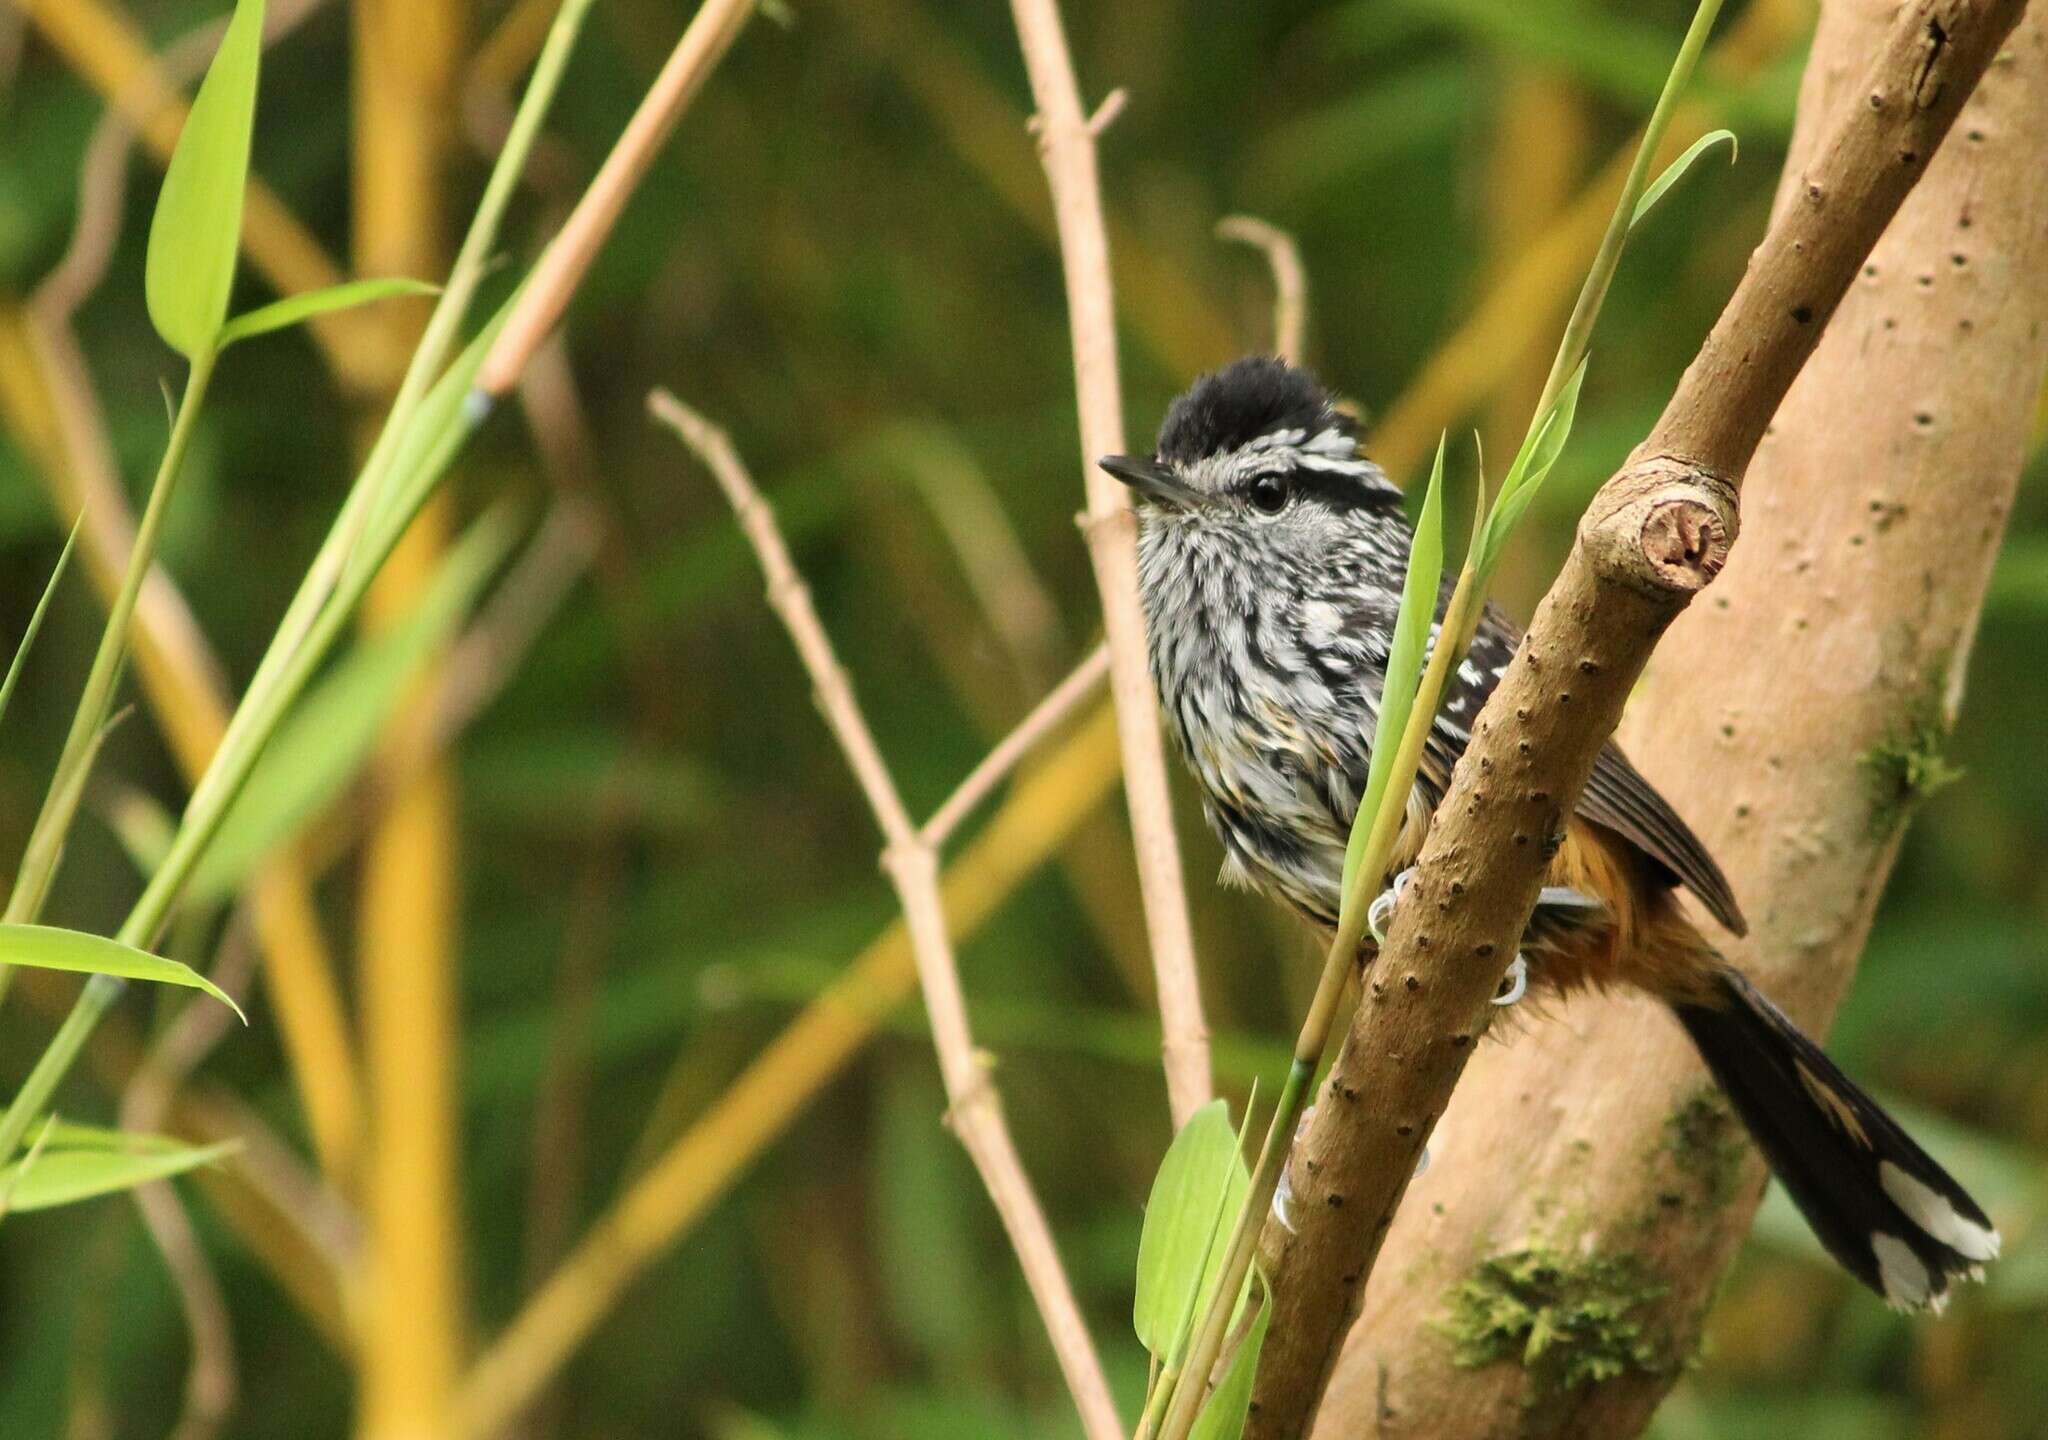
1320 622
1904 1278
1933 1212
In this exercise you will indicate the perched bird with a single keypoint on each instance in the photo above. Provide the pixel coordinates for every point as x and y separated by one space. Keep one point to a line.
1271 557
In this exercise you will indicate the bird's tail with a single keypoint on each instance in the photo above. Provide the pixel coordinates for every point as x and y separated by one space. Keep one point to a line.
1881 1206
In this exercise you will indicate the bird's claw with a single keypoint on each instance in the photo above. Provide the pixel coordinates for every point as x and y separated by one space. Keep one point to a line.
1515 984
1381 912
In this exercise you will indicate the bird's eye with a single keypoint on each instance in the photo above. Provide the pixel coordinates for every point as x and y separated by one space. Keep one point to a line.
1269 494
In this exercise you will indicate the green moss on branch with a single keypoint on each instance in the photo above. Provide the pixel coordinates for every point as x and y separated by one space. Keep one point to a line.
1567 1319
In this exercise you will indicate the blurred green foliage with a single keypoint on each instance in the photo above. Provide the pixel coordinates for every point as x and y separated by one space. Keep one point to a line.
849 235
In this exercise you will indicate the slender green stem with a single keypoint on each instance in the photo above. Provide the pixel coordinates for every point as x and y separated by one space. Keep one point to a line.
1578 330
35 619
45 848
339 575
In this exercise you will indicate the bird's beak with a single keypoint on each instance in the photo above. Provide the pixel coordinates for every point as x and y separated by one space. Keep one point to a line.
1149 478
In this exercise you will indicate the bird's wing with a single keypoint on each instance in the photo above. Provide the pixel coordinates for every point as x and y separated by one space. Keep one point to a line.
1617 797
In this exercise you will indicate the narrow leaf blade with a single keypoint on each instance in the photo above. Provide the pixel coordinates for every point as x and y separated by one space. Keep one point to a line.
1518 490
296 308
35 619
1405 658
69 1135
1675 171
197 227
63 1177
45 947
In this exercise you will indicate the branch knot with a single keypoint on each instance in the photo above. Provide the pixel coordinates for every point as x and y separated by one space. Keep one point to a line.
1662 526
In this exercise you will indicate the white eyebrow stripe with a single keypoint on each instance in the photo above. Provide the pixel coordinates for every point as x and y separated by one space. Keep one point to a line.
1334 440
1279 439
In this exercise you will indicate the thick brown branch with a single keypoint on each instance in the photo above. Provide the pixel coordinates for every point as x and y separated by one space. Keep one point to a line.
1653 537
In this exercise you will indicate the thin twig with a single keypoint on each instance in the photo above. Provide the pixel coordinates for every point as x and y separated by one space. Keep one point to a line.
1290 280
1051 712
975 1113
1066 145
709 35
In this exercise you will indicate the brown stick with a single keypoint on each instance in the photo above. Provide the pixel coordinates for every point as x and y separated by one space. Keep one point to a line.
560 272
1066 143
1920 460
1653 537
975 1111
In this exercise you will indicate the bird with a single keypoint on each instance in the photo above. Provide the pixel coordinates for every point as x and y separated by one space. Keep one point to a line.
1271 559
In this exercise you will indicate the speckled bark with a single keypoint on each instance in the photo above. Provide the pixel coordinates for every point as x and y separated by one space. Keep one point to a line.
1582 1153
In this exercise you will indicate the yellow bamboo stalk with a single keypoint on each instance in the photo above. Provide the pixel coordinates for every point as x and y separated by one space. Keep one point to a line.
405 55
178 676
654 1212
107 50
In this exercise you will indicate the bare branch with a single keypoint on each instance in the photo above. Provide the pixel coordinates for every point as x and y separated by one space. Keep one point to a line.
679 1184
975 1113
1290 280
1066 144
1653 536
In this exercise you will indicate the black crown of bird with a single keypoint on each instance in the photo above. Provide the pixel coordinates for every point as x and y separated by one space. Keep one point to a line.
1271 556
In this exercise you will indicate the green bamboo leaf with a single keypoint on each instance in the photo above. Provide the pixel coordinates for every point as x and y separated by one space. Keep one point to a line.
1525 477
68 1135
327 738
35 619
45 947
194 235
1675 171
63 1177
1230 1403
1405 658
295 308
1197 1195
